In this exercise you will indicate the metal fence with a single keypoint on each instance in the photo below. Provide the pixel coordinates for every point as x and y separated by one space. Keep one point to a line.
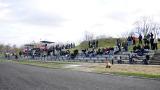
96 59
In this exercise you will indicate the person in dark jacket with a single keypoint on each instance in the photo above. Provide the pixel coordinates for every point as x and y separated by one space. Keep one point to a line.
140 39
152 43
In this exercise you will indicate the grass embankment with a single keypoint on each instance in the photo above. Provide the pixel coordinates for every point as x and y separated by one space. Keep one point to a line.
147 71
53 65
103 43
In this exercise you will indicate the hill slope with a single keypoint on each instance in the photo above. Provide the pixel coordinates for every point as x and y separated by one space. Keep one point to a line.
109 42
103 43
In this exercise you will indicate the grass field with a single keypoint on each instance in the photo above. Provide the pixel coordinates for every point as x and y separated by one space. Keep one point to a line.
150 71
147 71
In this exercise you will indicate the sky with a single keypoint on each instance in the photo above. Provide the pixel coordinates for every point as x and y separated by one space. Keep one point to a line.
24 21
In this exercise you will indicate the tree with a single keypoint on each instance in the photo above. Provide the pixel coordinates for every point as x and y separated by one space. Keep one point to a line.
1 48
146 25
102 36
7 48
15 49
156 29
88 36
126 34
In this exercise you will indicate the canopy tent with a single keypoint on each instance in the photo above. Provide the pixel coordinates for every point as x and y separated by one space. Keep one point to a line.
46 42
29 45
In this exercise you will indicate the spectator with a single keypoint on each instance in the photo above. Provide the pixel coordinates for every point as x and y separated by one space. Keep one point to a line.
96 43
119 60
145 61
145 40
139 47
130 58
125 46
152 43
129 41
134 48
151 35
20 53
16 56
134 40
89 44
119 44
140 39
146 47
155 44
148 36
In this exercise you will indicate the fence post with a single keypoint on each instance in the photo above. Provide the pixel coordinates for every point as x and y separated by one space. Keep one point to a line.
112 61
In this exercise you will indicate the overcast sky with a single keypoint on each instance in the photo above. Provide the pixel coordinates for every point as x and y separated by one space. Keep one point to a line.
22 21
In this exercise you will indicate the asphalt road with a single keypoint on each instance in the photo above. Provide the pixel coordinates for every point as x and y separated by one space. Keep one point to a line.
24 77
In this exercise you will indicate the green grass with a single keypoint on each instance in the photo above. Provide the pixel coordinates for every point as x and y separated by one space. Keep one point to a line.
103 43
130 70
1 60
110 42
54 65
137 74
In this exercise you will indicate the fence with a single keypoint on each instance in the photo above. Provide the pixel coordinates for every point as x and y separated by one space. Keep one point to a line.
123 58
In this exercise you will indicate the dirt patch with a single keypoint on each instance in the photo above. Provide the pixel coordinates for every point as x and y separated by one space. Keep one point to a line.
79 67
71 66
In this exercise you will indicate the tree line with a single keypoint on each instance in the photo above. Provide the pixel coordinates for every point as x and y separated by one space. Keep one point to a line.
9 48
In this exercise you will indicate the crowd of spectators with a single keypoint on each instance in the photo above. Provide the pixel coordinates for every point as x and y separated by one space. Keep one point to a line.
140 44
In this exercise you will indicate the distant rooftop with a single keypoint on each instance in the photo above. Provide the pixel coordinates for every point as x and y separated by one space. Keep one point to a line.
29 45
48 42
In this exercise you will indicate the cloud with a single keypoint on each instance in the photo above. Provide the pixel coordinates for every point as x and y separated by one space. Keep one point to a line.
66 20
21 13
39 18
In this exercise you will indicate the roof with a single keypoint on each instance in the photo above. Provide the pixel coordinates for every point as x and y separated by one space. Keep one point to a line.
48 42
29 45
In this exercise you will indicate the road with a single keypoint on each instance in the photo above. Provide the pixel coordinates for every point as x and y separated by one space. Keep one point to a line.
25 77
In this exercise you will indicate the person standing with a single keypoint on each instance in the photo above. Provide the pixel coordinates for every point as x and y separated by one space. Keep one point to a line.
89 44
145 40
129 39
96 43
134 40
152 43
140 39
118 44
155 43
151 35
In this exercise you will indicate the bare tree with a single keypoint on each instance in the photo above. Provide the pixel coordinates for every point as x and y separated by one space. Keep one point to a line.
88 36
143 25
1 48
155 28
7 48
126 34
103 36
15 49
146 25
